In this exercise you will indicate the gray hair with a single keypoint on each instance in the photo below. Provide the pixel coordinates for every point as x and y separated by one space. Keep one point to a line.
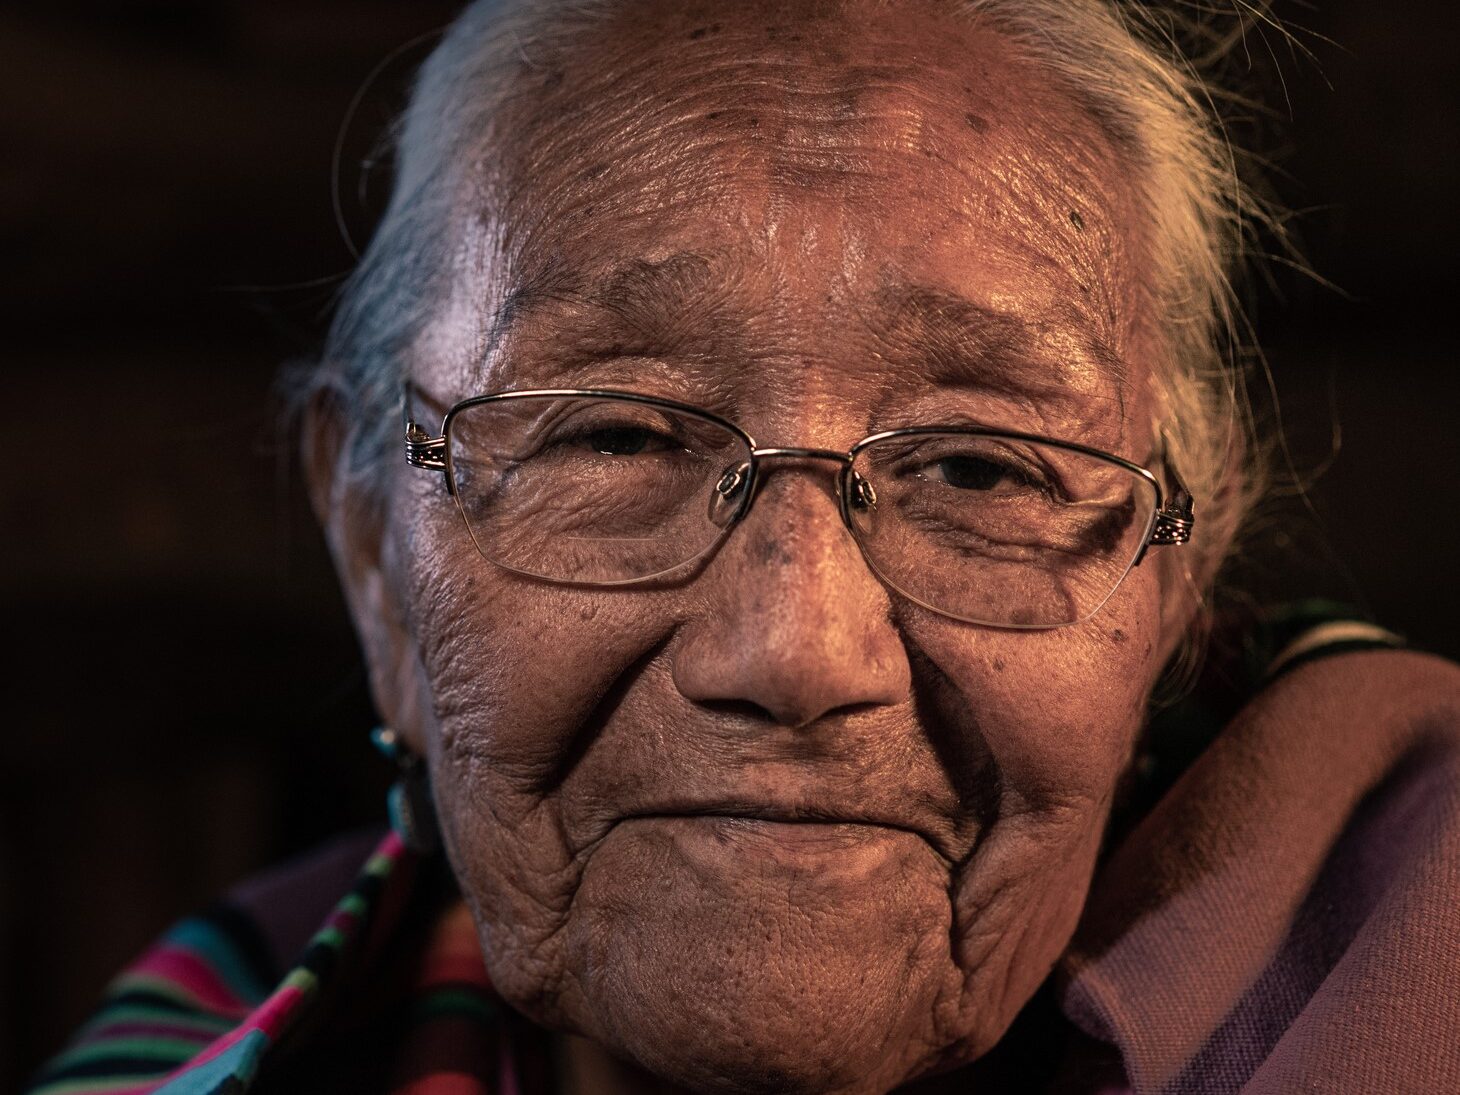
1140 69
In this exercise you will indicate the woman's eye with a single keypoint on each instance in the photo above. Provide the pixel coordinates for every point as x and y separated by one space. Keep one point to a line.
625 441
974 473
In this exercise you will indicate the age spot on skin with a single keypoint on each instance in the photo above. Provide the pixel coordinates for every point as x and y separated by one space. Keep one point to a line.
998 665
1118 635
772 552
976 123
1077 220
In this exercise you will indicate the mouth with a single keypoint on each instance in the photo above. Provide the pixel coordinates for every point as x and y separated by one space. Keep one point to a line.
807 827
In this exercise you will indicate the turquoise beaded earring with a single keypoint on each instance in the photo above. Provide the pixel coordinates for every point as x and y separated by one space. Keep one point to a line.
412 813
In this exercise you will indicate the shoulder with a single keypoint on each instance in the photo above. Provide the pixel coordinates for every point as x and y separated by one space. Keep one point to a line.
1284 916
1414 697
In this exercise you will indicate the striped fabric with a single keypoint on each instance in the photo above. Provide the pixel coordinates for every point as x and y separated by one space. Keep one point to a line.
198 1015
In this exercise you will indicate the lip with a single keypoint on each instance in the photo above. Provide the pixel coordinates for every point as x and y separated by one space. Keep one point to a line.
795 825
821 853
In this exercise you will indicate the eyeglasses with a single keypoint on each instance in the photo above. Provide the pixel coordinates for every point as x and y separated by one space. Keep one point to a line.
606 488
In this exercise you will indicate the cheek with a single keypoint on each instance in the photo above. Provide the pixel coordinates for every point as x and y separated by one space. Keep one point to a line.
514 666
514 670
1057 713
1057 710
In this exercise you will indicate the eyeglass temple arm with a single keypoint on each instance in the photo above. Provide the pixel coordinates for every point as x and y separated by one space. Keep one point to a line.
422 450
1175 519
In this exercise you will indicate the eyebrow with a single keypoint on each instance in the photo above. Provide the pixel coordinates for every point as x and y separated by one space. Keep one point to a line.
680 304
959 341
643 295
663 305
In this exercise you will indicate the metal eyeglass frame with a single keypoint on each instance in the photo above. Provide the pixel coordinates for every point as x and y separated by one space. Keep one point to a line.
1171 520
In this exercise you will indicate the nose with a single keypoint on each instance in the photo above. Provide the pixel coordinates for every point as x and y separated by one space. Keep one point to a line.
793 622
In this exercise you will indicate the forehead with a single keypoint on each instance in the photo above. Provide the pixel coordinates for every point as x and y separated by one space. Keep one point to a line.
833 174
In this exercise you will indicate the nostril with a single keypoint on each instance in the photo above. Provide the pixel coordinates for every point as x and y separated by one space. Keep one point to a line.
750 714
739 709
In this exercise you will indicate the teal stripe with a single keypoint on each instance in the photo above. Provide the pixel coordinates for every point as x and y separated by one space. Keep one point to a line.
455 1003
354 903
230 1071
91 1086
215 948
170 1051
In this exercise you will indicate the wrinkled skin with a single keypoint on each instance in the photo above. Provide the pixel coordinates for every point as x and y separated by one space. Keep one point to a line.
751 211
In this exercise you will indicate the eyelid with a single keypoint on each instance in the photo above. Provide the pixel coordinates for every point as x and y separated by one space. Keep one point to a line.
1021 457
597 414
941 443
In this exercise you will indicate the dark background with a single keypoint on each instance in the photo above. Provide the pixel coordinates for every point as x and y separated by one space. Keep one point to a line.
185 701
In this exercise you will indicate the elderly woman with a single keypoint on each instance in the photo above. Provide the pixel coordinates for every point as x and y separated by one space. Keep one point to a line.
816 444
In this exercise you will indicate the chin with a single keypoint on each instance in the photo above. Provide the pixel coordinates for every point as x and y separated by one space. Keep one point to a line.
804 1050
755 972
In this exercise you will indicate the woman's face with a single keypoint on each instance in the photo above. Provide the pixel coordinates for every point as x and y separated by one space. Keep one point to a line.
773 827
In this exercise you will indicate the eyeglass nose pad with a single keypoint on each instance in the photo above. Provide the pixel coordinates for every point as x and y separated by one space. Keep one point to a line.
863 496
727 500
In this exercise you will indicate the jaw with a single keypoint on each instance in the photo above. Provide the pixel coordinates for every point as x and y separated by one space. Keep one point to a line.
740 957
733 958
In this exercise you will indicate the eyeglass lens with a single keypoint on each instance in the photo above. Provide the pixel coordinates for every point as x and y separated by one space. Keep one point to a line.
988 529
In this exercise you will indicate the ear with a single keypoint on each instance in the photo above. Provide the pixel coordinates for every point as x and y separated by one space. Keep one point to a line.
353 516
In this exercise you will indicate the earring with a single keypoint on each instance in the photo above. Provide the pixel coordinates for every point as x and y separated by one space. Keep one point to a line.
412 813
